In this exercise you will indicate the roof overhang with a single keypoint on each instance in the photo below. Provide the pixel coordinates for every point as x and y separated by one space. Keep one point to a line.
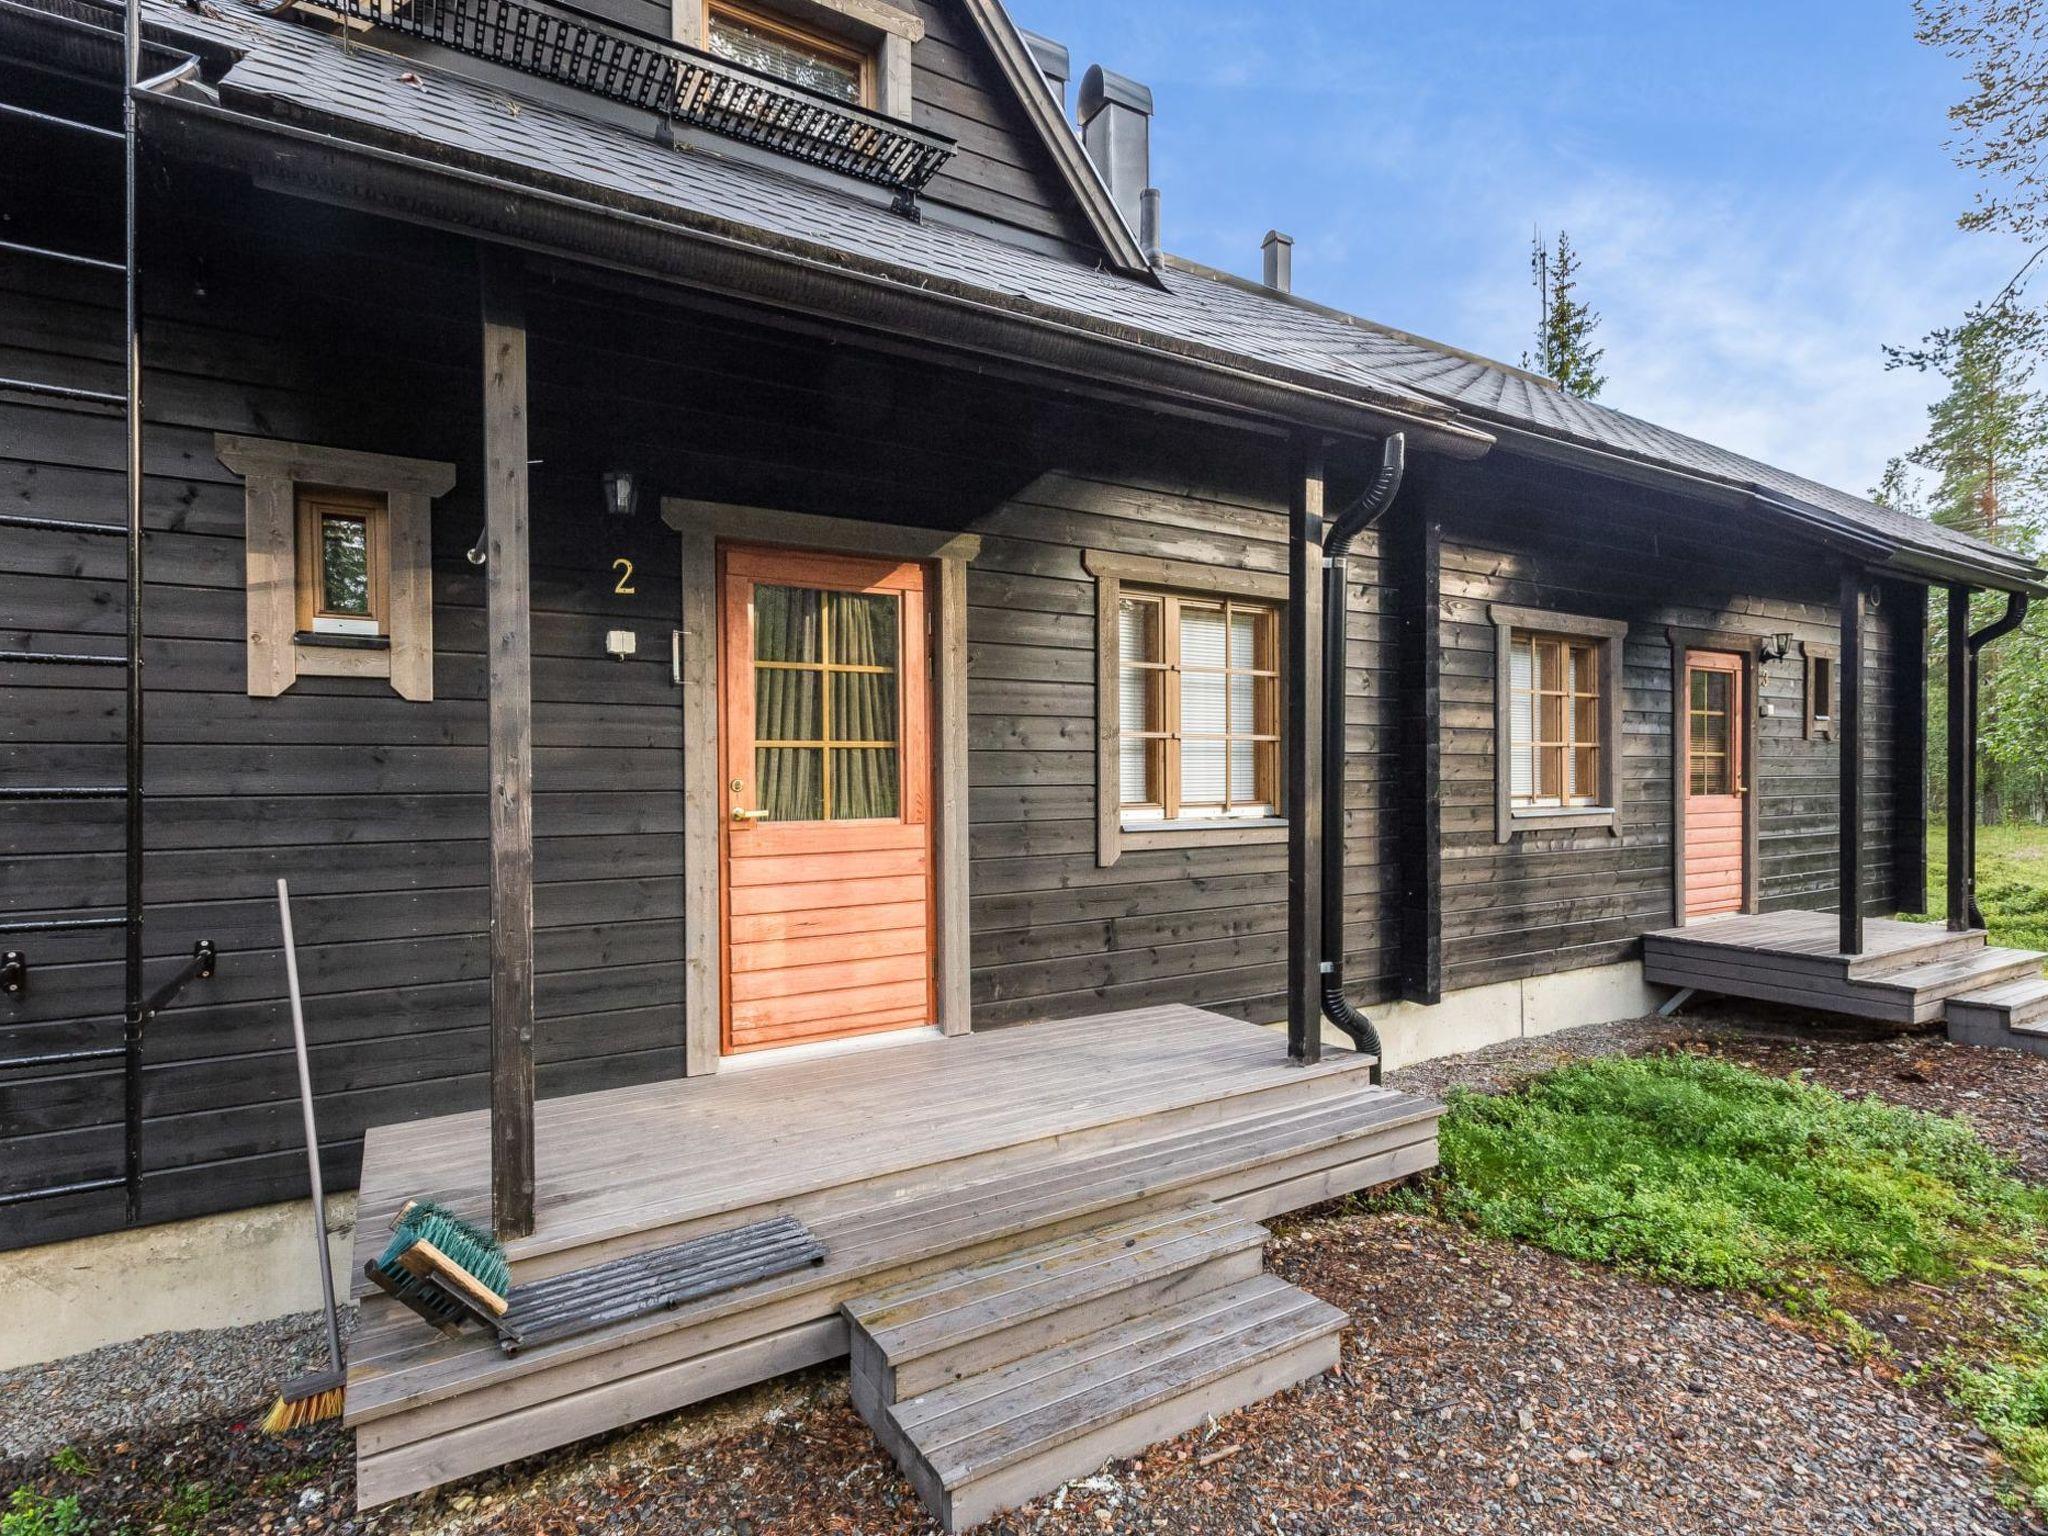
473 196
1856 545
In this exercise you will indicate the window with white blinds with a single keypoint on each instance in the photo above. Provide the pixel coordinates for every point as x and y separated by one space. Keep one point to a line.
1198 709
1555 720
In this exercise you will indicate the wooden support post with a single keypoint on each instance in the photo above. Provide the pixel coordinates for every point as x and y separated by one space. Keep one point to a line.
1962 813
1303 736
1849 743
509 641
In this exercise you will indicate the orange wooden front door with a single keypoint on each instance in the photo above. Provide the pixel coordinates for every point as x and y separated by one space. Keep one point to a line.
1711 727
826 822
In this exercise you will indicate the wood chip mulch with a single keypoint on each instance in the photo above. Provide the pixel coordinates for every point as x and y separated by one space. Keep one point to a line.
1486 1388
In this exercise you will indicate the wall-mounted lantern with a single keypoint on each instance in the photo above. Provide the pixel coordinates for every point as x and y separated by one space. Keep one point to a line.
621 492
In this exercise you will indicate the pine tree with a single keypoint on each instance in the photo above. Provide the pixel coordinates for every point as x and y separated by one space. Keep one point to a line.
1564 325
2002 125
1986 455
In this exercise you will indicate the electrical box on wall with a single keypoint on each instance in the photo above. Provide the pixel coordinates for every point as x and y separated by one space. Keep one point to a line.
621 643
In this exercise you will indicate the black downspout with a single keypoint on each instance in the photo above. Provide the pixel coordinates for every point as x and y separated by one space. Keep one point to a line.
1343 530
2016 604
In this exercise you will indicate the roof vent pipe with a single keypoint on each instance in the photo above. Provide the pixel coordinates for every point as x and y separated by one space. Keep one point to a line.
1279 251
1148 226
1343 529
1054 62
1116 127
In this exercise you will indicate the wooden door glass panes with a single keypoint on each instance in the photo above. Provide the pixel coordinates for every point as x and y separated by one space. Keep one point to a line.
1710 736
1198 710
827 704
1554 721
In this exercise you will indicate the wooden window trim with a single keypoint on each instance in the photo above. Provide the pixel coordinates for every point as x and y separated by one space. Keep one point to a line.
1178 578
891 31
862 58
1821 727
280 651
1609 636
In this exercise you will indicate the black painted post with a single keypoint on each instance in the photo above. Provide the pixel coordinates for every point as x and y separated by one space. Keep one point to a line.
1849 741
1304 747
1962 812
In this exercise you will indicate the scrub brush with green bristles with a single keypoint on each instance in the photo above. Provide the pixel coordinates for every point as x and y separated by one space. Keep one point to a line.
444 1268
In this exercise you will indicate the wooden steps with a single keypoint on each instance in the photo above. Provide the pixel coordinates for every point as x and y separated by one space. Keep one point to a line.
999 1381
2014 1015
1909 973
427 1410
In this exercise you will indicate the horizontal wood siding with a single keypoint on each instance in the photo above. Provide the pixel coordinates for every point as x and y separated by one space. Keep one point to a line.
372 806
1554 901
1001 171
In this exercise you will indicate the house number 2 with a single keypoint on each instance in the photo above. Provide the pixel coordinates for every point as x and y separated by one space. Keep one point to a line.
624 567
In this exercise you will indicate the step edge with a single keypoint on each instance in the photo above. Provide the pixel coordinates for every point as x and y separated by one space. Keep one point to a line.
1190 1220
1314 1319
1057 1302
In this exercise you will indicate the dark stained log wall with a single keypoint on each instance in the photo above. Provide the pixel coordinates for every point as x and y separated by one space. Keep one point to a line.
293 321
1555 901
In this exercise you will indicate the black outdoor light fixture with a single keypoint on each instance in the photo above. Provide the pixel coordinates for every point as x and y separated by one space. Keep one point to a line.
1778 647
621 492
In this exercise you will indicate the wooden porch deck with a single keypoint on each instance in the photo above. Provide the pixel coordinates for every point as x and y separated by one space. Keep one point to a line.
903 1161
1908 973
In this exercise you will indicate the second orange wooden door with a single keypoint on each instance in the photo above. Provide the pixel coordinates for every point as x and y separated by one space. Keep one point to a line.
826 773
1712 719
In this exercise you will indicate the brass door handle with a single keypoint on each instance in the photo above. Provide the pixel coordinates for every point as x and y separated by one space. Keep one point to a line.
740 815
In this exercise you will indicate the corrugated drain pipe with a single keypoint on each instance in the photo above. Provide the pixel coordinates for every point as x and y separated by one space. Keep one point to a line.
1348 525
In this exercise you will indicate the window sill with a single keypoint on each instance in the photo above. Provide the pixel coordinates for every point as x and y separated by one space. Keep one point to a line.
1562 819
343 642
1140 836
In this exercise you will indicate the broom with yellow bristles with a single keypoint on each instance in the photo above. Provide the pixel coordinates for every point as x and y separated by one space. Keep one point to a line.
318 1396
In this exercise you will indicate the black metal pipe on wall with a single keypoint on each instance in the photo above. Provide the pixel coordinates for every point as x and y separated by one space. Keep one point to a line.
1343 532
2016 605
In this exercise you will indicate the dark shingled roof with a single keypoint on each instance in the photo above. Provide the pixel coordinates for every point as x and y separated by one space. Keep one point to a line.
295 73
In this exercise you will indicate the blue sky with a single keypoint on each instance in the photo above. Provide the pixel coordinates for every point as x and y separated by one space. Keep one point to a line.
1760 191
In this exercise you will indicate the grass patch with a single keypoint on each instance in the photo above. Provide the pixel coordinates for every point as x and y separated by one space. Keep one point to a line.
1697 1171
2012 881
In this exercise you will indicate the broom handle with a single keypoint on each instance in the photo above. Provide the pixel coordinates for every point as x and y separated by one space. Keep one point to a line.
291 974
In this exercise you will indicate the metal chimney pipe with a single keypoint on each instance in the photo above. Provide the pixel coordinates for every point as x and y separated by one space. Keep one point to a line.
1054 62
1148 226
1279 251
1116 127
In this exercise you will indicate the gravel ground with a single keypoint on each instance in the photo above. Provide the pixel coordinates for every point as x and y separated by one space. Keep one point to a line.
164 1380
1487 1388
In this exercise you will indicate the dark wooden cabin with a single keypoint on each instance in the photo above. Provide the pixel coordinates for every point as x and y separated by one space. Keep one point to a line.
503 414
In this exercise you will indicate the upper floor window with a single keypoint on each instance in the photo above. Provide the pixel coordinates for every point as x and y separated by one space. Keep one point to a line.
777 45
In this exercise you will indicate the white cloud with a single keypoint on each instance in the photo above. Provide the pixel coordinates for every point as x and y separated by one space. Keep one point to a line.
1747 325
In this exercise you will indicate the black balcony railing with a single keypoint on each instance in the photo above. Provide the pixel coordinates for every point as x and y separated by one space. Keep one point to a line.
560 43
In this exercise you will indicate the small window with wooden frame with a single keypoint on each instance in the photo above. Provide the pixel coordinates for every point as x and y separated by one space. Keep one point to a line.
1820 692
1557 721
772 42
1188 704
339 564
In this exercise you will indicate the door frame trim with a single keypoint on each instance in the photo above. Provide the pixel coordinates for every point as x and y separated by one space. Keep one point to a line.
1750 649
702 526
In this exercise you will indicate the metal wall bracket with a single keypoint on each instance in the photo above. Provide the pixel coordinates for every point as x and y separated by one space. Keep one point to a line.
14 973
